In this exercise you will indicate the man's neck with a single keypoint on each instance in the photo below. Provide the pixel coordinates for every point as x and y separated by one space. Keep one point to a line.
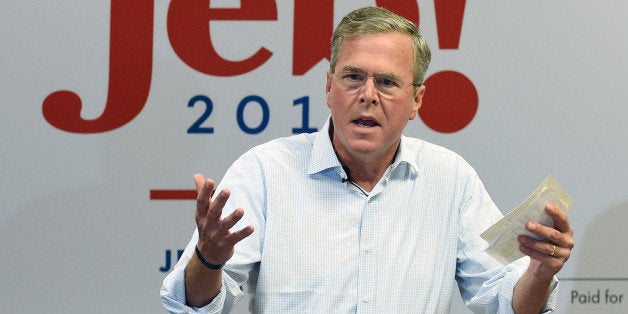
365 170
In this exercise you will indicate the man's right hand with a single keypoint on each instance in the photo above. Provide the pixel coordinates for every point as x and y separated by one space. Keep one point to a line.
215 239
215 242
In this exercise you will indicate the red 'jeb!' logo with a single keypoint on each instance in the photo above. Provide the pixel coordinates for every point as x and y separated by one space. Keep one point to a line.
449 105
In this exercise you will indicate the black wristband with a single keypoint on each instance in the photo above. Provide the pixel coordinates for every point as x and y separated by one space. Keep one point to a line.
205 262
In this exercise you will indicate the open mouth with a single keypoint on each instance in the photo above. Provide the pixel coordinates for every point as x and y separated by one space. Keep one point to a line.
366 123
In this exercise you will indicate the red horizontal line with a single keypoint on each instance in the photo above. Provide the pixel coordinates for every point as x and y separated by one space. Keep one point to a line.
172 194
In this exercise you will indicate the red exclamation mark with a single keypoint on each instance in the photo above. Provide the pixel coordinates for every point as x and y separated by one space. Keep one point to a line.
451 100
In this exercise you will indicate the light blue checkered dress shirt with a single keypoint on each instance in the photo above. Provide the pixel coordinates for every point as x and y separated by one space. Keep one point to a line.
321 245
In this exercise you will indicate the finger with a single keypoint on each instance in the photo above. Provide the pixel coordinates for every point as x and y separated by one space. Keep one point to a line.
561 221
549 233
204 189
560 234
216 206
239 235
232 219
199 180
552 261
544 248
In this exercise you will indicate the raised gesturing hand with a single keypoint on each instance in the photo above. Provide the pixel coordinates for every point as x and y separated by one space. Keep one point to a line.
215 238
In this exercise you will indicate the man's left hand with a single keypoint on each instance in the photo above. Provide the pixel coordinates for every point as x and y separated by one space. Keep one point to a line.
548 257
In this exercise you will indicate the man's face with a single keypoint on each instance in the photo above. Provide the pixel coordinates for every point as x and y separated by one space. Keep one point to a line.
368 122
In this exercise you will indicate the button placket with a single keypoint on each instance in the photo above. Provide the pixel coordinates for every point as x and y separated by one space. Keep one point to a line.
367 273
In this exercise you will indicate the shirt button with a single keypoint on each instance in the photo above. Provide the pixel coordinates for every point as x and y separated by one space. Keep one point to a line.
365 299
367 249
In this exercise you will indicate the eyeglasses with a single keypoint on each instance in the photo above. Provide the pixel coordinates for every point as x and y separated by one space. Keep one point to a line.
384 83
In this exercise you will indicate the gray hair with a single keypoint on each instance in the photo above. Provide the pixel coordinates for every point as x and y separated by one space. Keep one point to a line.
374 20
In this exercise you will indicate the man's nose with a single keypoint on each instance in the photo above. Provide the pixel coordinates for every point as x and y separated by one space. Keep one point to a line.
369 92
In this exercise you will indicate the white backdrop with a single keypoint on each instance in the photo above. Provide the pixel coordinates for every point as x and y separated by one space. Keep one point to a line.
79 231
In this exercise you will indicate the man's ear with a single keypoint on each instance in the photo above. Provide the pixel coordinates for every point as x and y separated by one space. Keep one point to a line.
328 87
417 101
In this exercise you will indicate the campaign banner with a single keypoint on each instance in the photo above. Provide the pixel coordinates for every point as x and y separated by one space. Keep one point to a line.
110 107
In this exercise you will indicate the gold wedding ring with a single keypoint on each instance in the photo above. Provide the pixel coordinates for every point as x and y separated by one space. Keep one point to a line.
554 249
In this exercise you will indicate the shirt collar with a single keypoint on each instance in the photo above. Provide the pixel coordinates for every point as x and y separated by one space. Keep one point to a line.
324 157
406 155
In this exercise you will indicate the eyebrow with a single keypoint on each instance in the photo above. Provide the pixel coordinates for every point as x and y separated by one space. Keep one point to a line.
353 69
350 68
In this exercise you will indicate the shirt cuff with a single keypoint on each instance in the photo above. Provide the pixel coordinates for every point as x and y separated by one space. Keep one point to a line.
514 271
173 295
